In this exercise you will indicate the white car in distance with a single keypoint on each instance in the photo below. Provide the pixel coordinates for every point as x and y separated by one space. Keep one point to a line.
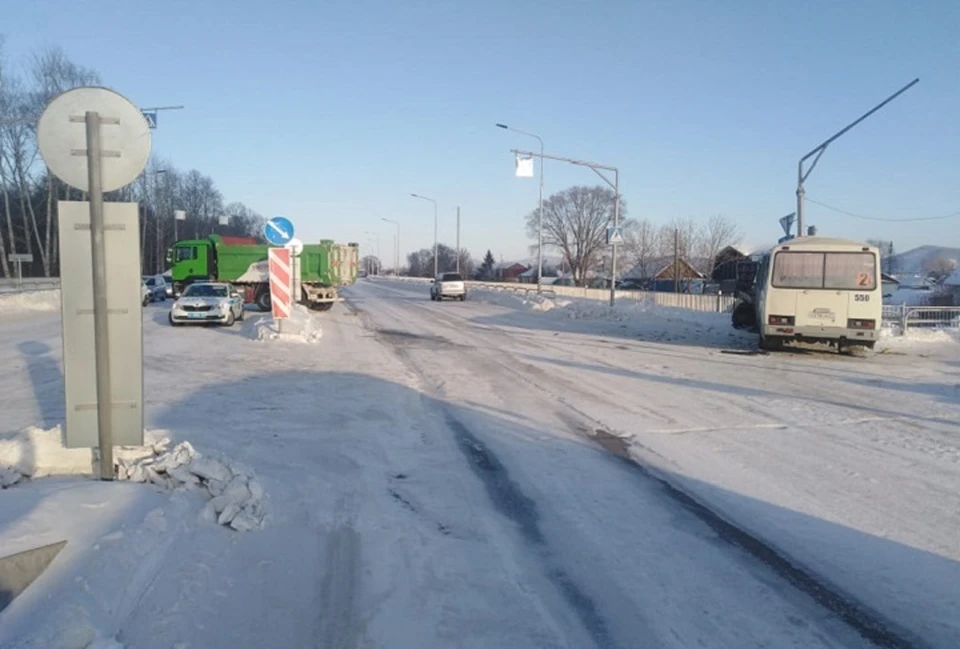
448 285
205 302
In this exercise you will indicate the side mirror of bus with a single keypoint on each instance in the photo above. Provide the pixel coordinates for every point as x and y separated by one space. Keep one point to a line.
169 257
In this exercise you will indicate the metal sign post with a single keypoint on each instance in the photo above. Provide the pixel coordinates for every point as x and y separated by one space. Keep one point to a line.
101 327
19 260
178 215
95 160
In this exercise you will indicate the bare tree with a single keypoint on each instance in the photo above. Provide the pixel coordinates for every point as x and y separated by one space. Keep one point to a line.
53 73
682 234
642 245
718 233
5 114
575 221
940 267
887 259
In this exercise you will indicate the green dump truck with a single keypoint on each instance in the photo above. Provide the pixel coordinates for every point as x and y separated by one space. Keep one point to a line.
324 268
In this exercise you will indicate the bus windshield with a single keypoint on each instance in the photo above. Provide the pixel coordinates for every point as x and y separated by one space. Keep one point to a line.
850 271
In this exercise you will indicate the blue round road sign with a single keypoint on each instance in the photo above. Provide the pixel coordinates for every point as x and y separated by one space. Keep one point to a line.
278 231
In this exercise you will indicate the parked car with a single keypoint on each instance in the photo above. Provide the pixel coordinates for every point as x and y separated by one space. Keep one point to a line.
168 283
144 293
202 302
158 288
448 285
631 284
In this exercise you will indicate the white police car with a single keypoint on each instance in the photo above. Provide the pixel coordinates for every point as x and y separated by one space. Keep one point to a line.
207 302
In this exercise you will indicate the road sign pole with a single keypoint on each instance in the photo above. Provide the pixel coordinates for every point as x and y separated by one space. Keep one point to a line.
100 322
616 228
19 275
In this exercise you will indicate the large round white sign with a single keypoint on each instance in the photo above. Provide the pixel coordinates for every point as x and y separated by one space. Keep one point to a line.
124 137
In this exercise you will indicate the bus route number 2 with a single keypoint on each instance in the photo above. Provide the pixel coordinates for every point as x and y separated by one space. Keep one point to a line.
861 297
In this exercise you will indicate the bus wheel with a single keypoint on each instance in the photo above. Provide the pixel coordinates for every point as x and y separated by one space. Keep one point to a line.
770 344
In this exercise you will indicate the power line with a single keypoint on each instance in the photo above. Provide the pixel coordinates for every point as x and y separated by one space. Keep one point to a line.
880 218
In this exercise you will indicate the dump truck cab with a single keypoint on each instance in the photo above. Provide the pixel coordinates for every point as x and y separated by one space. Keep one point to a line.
192 260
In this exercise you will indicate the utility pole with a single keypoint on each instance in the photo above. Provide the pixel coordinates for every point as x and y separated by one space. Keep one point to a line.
436 232
676 260
819 149
458 239
396 247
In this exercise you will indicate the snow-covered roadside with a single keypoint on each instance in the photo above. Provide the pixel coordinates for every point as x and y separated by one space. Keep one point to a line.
917 338
12 304
236 497
302 326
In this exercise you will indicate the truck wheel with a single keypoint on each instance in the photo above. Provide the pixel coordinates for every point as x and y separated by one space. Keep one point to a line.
323 306
262 300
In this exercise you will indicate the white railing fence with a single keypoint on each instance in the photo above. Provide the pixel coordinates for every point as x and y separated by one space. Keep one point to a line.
901 318
12 284
712 303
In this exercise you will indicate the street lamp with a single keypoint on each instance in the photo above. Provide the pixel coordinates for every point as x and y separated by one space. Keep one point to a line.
375 237
539 211
818 151
436 259
396 248
598 169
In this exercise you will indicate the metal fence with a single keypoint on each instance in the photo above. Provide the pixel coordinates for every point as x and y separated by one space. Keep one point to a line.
12 284
712 303
902 317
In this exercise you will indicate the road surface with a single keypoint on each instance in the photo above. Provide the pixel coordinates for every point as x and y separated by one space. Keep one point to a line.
472 475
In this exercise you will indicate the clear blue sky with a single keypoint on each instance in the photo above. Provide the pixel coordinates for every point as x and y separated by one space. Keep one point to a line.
332 112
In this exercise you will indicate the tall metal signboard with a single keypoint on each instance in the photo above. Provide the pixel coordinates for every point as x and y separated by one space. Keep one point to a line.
97 141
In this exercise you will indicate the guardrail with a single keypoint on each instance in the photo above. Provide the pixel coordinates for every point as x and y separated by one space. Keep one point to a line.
712 303
12 284
904 317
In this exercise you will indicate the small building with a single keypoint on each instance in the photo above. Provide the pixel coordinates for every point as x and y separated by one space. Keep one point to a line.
510 271
889 284
951 287
661 275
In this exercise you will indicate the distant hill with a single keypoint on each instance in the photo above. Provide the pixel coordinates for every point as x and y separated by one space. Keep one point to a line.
918 260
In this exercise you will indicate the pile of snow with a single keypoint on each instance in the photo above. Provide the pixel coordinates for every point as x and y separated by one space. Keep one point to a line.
891 339
29 302
302 327
625 310
236 496
513 299
37 453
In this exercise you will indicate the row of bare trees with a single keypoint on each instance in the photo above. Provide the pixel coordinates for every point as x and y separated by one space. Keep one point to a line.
575 223
646 245
29 192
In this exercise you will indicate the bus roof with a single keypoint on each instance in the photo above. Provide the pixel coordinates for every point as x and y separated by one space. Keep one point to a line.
822 243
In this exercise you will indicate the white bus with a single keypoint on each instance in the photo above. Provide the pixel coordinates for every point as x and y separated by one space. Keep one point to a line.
817 289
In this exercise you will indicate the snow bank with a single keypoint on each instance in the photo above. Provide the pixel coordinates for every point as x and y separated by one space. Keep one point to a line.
301 327
236 496
624 311
29 302
891 338
36 453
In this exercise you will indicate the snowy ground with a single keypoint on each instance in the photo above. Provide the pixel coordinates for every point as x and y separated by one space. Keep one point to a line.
433 483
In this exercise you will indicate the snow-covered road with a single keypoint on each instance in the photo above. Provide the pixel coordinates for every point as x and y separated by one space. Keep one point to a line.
436 481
